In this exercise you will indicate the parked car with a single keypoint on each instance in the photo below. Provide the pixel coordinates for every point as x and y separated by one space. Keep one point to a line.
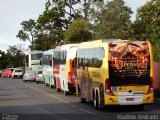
29 76
39 76
17 73
7 72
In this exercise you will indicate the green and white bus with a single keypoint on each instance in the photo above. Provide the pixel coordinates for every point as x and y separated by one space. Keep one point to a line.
47 68
32 61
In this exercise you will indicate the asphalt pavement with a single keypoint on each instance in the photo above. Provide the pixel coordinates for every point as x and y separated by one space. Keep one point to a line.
27 101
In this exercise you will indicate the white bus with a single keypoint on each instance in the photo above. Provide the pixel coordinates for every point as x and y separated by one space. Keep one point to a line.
64 69
32 61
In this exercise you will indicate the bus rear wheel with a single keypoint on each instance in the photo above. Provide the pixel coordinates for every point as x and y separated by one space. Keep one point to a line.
65 92
58 89
96 103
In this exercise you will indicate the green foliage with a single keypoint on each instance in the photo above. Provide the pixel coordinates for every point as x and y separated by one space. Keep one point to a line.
78 31
146 26
50 28
27 32
67 6
112 20
3 60
14 57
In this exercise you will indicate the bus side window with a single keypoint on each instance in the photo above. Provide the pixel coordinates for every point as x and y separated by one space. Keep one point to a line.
74 61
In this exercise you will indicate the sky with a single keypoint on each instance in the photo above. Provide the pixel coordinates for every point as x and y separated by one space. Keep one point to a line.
13 12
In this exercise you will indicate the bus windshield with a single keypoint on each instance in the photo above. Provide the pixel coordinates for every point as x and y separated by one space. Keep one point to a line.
36 56
129 64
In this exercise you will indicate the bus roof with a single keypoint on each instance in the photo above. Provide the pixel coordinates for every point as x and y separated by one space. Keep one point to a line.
35 51
66 46
107 41
50 52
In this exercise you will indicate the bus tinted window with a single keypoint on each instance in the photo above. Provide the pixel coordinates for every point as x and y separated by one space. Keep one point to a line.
90 57
46 59
36 56
63 57
59 57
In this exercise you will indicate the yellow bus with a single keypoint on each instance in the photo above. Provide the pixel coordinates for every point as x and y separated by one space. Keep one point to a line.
115 72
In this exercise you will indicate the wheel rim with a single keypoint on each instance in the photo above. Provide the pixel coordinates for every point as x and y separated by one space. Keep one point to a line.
95 102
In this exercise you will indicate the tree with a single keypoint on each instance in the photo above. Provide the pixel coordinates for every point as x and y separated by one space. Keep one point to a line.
78 31
70 7
15 55
146 26
27 32
112 20
67 6
50 27
3 60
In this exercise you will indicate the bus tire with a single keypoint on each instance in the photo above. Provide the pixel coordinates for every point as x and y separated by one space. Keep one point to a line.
95 101
83 100
54 83
99 106
36 82
58 89
65 92
51 86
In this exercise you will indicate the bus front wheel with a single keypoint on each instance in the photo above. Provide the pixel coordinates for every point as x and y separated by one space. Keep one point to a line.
83 100
51 86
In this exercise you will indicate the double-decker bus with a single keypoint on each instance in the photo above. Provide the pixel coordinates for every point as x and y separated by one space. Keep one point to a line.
32 61
64 68
47 68
115 72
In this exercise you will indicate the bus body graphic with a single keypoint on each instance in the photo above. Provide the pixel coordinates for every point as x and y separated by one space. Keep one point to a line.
64 67
47 67
115 72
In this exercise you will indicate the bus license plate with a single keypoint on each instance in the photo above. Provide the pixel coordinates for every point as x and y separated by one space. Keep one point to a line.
129 99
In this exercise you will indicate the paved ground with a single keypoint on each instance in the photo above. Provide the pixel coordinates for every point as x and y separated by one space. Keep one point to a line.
19 100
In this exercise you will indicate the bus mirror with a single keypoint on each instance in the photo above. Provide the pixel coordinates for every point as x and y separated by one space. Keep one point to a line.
40 62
